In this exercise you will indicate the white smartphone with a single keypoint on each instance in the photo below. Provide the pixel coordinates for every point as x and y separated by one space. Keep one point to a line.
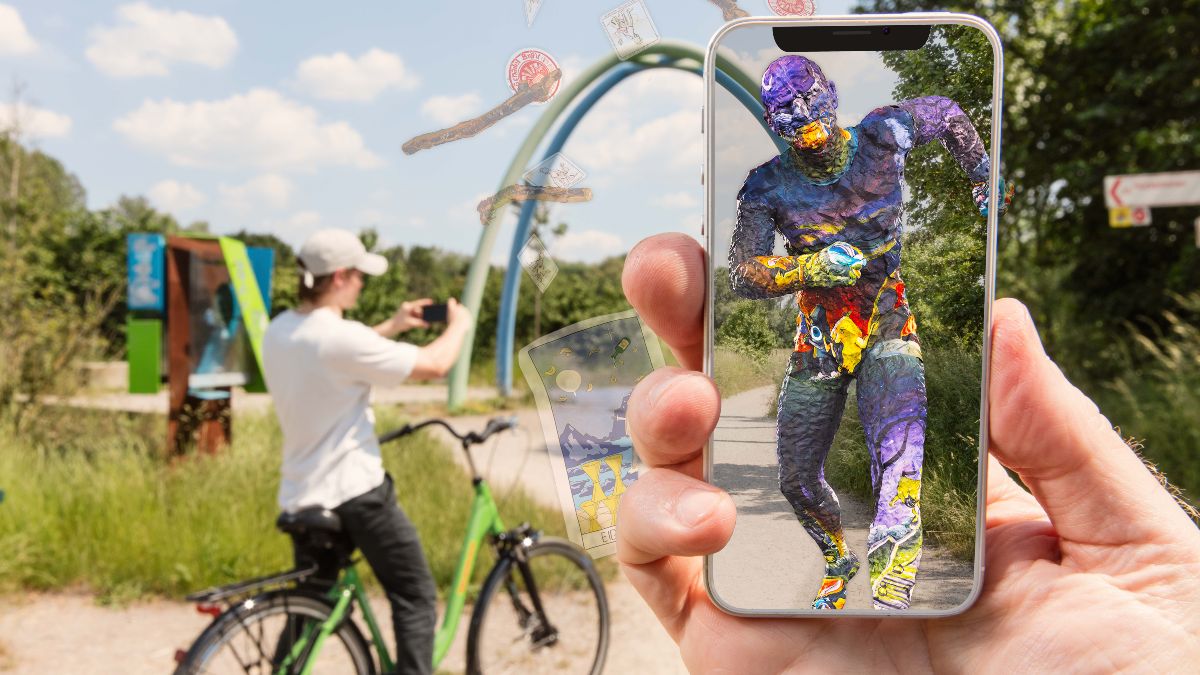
852 193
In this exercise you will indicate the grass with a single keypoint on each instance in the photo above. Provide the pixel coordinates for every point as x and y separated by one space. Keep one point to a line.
735 372
91 504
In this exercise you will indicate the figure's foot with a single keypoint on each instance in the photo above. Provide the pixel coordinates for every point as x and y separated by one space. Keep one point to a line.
836 583
893 589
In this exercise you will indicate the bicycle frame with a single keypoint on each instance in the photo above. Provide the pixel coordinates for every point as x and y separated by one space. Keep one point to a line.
484 522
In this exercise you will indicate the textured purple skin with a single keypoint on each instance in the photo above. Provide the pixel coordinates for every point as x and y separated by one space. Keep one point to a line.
861 206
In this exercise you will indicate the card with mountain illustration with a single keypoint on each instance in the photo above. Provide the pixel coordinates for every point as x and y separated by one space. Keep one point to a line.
581 377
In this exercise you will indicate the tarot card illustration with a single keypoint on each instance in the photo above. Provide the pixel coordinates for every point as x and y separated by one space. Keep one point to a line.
555 171
538 263
581 377
630 28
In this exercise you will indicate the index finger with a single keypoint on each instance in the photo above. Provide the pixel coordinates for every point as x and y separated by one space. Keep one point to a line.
664 280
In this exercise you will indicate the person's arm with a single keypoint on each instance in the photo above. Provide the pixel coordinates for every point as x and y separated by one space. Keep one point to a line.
939 118
755 273
407 317
435 359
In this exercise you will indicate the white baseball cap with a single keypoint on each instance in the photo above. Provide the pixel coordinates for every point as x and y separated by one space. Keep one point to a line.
327 251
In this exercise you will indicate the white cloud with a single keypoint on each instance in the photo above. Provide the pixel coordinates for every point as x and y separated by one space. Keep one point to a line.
586 246
448 110
14 37
258 129
678 200
35 122
341 77
175 196
295 228
616 136
270 190
146 41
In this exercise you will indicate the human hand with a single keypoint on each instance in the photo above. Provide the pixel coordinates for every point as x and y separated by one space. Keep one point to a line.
408 316
979 192
1093 571
457 314
839 264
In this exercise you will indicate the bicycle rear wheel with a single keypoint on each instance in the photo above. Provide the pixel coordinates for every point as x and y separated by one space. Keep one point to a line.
256 635
508 634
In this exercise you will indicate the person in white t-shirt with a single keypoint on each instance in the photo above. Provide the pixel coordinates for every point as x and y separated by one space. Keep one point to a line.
319 368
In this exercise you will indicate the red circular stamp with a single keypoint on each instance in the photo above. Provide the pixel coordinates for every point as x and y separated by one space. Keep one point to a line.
792 7
529 66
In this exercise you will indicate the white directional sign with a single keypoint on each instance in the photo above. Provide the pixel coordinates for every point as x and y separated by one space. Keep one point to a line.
1172 188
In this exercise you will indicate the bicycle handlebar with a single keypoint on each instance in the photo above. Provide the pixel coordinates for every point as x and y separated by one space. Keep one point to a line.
494 425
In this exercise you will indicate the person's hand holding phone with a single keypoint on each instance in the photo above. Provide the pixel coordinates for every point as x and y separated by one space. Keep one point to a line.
409 315
1093 569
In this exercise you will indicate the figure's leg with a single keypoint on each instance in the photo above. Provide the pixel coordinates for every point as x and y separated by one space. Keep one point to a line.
810 410
891 403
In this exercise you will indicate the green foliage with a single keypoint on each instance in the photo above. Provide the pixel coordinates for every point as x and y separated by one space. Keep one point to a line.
1155 397
747 331
91 503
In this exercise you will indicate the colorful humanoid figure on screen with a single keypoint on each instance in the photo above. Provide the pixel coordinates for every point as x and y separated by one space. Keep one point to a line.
836 197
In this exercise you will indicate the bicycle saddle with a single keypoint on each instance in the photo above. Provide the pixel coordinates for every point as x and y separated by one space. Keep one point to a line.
310 520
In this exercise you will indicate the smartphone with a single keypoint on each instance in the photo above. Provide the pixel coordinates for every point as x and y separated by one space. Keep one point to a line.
849 164
434 313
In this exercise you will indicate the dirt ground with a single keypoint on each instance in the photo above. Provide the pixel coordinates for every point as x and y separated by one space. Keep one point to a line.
70 633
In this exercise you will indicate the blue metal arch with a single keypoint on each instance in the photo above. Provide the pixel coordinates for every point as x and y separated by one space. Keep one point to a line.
506 320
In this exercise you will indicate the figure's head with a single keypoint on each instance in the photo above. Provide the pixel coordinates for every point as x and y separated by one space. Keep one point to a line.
332 265
801 105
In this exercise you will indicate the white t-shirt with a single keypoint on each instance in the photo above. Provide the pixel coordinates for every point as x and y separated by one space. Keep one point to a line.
319 369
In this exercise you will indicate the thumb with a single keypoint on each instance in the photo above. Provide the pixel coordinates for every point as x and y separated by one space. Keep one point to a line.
1092 485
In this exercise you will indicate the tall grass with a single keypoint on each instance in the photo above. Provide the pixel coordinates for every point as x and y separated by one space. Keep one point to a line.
1156 399
91 504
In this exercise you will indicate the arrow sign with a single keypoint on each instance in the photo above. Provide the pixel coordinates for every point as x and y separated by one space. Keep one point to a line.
1172 188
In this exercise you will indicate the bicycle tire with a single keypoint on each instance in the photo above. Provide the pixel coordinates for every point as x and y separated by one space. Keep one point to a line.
200 657
563 592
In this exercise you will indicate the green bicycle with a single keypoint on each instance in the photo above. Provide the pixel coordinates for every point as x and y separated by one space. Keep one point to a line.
542 607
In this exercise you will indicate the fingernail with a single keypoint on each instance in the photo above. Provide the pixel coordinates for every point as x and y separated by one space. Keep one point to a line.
695 505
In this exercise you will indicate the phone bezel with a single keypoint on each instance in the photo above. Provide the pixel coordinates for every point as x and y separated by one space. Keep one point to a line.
709 120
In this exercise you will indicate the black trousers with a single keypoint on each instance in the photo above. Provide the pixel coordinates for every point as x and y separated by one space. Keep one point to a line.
377 526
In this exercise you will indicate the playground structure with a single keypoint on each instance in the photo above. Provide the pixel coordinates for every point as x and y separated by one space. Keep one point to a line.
604 75
214 295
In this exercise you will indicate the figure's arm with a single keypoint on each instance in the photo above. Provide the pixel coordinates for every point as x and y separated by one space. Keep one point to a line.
755 273
939 118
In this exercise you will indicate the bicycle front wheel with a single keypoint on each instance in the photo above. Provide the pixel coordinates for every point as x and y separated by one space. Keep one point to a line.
257 635
569 635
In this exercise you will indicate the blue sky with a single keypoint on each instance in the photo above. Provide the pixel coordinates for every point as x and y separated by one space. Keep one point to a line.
288 120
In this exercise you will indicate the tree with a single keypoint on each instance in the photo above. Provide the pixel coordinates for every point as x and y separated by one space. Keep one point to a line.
1091 89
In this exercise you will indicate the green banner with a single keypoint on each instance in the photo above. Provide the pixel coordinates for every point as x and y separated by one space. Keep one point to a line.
245 288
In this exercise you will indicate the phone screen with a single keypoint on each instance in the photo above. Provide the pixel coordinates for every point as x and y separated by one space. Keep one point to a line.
434 313
850 282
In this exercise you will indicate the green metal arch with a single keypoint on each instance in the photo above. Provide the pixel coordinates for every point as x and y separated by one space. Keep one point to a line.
477 273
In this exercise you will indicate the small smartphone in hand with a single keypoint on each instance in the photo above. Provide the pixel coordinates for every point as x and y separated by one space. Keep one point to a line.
434 313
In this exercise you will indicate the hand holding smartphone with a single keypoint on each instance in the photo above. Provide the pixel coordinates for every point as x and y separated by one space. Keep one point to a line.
436 313
811 232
